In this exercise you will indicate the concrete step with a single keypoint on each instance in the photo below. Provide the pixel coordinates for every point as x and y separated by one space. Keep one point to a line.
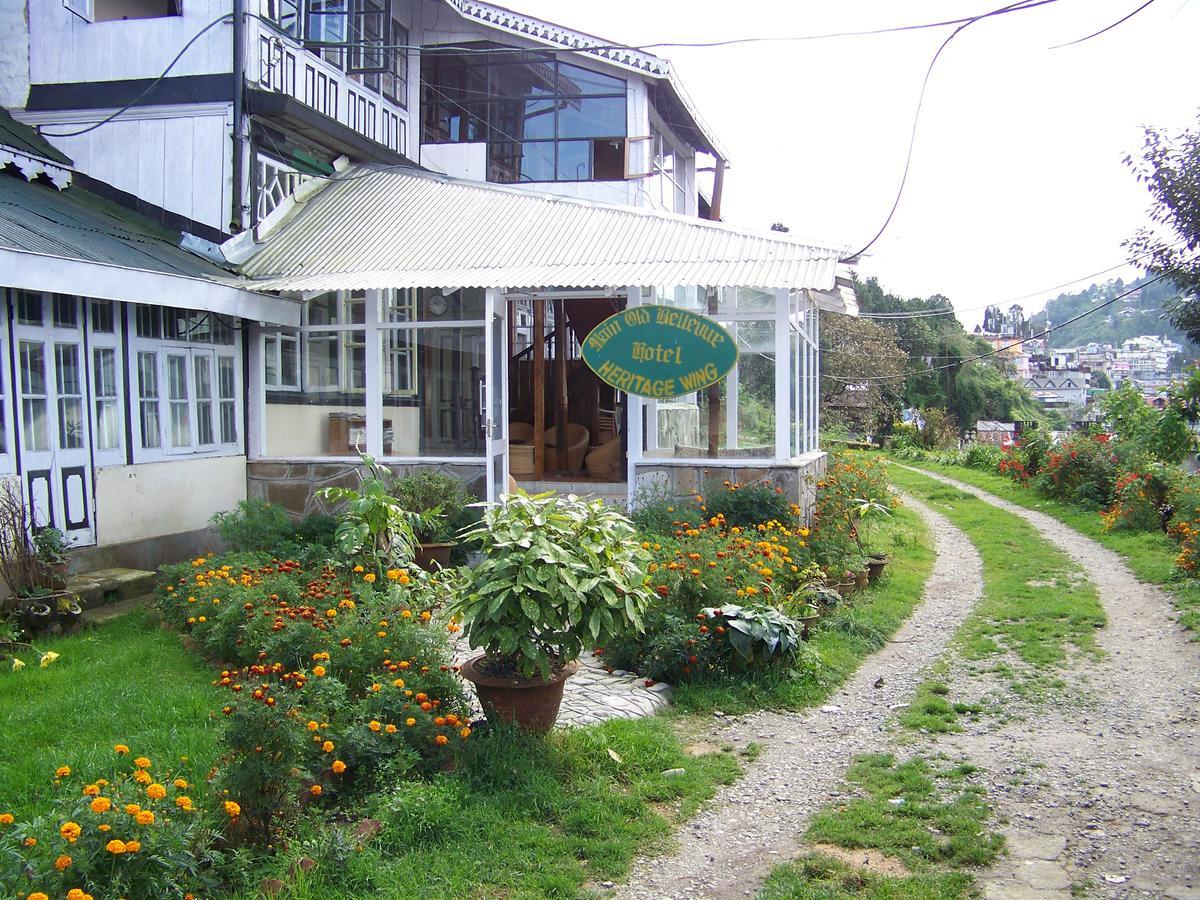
107 586
102 615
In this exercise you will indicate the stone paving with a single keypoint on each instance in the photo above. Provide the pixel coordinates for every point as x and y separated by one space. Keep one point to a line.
594 694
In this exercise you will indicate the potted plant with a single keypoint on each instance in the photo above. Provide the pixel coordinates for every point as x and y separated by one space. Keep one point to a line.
70 613
36 616
868 512
560 574
441 506
373 527
50 547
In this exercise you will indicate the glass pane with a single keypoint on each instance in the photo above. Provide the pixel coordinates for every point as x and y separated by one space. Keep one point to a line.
147 374
336 308
328 416
181 427
151 426
577 80
177 377
432 304
228 422
536 161
203 367
66 367
592 117
148 393
29 308
33 367
270 363
108 425
226 380
517 120
70 423
66 313
36 433
432 392
289 363
103 318
574 160
149 321
204 422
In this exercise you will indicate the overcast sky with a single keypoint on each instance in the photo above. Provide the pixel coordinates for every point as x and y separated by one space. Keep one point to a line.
1017 183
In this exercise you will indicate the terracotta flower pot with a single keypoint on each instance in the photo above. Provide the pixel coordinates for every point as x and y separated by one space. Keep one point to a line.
429 554
861 579
875 567
530 703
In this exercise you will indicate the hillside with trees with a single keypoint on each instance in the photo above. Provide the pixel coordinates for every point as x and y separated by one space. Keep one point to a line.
1143 312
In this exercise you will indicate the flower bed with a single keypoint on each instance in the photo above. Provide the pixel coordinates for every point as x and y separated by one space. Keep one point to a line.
332 678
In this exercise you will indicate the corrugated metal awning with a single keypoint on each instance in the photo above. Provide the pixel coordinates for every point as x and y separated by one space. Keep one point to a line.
73 242
399 229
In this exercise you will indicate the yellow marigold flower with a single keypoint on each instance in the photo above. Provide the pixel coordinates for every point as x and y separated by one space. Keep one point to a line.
393 574
184 802
115 847
142 762
142 777
6 818
145 817
70 831
180 783
232 809
465 733
37 895
156 791
410 721
48 657
389 728
338 767
376 688
101 805
132 809
104 827
399 682
327 746
92 790
319 671
312 726
358 569
120 749
426 616
78 894
374 725
331 613
133 846
62 862
407 614
369 578
62 772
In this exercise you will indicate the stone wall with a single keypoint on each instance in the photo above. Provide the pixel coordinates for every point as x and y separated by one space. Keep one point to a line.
798 479
292 484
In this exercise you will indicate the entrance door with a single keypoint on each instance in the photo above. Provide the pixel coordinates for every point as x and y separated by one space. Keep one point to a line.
52 417
495 394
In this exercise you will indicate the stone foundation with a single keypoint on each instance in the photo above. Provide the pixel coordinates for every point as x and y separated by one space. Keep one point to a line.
292 485
798 478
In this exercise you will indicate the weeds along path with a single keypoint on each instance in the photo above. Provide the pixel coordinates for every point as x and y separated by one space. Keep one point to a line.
1102 785
728 849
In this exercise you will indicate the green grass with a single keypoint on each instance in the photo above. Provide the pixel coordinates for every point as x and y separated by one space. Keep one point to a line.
1037 604
1150 554
520 818
931 709
932 822
840 642
128 682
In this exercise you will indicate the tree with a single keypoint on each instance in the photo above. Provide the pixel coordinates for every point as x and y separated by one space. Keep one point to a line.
1170 169
1101 380
862 371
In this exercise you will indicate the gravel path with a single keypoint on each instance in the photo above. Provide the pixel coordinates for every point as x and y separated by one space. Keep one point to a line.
1101 789
755 823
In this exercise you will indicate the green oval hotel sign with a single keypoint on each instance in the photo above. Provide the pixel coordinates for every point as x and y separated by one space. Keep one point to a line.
659 351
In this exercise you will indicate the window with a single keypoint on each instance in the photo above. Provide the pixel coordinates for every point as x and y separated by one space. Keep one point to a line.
70 397
29 308
66 311
281 361
147 371
227 398
543 120
103 320
285 14
104 389
395 76
32 365
116 10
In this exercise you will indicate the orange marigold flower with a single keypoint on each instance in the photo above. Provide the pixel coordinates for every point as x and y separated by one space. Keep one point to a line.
315 790
6 818
184 802
442 740
62 772
120 749
92 790
62 862
142 762
37 895
369 578
70 831
115 847
104 827
133 846
132 809
142 777
389 728
327 746
30 842
156 791
338 767
465 733
319 671
180 783
399 682
145 817
312 726
232 809
101 805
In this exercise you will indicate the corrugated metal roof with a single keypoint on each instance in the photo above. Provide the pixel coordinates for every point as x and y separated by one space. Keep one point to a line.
22 137
77 225
407 229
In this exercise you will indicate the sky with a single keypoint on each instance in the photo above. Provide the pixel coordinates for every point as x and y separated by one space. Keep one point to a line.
1017 182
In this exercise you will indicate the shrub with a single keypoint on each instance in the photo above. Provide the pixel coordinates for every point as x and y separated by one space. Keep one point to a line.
257 526
984 457
443 499
1137 500
560 574
747 505
141 830
1082 469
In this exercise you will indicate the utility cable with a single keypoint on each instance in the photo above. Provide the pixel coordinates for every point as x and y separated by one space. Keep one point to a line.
1120 21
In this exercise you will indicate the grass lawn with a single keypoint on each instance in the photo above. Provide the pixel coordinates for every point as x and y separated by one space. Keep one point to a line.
1150 554
128 682
839 642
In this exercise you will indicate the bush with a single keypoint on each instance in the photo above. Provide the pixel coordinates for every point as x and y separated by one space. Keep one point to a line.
256 526
1137 502
1082 470
447 497
747 505
139 830
984 457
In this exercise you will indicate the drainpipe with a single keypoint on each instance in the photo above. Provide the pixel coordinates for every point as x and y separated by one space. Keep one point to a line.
236 222
714 208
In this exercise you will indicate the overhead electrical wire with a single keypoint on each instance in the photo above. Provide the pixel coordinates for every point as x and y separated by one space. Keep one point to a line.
1094 34
993 352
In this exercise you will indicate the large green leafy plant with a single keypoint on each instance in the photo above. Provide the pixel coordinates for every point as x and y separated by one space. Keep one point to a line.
560 574
373 526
